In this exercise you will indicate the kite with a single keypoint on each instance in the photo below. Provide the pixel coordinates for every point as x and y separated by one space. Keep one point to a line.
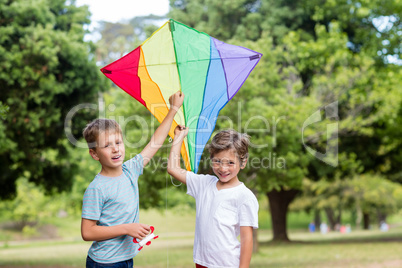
177 57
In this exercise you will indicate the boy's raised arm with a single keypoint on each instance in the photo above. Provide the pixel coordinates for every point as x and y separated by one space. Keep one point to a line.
174 168
157 139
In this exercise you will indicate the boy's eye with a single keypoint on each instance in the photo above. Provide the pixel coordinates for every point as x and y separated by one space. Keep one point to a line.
215 161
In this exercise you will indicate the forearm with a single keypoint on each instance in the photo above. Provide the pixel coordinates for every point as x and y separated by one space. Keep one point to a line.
246 240
158 137
99 233
245 255
162 131
174 167
90 231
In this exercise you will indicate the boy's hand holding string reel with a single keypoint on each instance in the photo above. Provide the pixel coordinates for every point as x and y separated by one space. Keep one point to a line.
147 239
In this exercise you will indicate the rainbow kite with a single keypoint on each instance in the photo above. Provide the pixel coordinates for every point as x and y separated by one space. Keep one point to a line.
176 57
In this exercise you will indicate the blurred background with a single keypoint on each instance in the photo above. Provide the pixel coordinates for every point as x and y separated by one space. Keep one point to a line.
323 108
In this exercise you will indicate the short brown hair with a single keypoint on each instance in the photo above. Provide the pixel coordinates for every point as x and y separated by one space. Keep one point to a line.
92 130
230 140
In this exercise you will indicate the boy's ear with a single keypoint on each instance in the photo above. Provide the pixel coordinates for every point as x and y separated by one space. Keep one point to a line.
94 155
243 164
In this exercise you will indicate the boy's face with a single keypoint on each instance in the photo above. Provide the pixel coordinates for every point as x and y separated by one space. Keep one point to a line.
226 165
109 151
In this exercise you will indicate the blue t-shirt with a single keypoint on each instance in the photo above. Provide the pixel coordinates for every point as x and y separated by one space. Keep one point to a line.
113 201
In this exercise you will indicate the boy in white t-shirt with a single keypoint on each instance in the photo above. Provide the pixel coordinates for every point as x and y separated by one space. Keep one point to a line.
225 207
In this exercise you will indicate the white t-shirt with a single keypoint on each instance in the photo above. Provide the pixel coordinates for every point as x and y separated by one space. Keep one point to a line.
219 216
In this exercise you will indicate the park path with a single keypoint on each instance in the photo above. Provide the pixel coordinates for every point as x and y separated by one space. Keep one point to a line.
40 250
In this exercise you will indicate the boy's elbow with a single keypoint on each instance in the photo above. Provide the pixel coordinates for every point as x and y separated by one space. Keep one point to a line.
86 231
85 236
178 173
170 171
174 172
171 167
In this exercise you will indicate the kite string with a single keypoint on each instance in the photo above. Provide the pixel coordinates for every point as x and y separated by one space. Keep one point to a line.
166 205
166 215
166 210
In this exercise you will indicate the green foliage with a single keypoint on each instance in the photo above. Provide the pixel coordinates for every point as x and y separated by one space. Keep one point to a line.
371 26
120 38
3 111
363 194
4 142
45 69
29 205
375 194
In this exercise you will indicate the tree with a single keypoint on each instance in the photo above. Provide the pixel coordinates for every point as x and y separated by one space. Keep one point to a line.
45 69
366 23
119 38
4 143
367 196
316 58
374 198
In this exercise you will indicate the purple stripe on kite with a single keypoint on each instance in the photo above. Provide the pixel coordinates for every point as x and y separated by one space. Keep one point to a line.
238 62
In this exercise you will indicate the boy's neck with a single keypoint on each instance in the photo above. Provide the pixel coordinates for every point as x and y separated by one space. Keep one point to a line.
111 172
226 185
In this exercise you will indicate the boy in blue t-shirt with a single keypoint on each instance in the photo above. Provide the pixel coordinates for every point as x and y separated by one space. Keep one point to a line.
110 214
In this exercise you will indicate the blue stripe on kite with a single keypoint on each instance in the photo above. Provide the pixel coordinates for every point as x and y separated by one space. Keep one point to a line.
215 98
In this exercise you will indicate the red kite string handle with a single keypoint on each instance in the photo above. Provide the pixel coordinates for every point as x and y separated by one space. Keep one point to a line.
147 239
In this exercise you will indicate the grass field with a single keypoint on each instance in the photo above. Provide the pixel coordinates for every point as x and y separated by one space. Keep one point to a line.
174 247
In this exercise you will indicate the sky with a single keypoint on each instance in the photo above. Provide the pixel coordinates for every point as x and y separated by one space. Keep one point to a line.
117 10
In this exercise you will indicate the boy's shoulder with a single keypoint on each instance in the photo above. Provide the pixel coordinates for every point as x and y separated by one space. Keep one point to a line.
246 193
134 163
99 181
206 177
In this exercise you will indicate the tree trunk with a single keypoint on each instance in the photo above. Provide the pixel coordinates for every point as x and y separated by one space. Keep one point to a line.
359 215
317 219
366 221
382 217
339 217
255 240
278 203
331 217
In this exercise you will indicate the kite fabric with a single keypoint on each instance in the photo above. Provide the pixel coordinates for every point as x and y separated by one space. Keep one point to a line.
176 57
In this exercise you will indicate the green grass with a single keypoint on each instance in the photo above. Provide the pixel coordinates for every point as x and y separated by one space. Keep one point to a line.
173 248
357 249
328 255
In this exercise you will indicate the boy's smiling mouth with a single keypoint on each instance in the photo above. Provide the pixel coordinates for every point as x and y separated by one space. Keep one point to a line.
224 175
116 157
